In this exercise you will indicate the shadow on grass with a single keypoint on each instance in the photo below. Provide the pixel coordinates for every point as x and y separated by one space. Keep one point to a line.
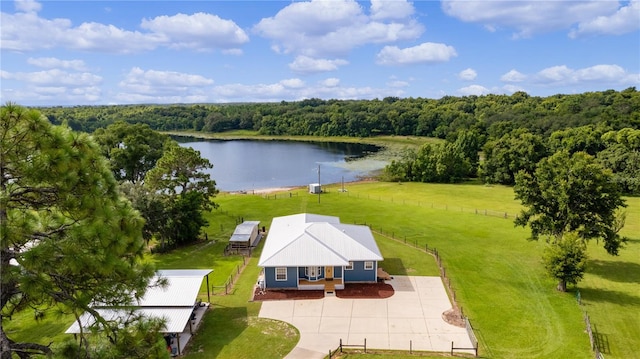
227 323
624 272
610 296
393 266
601 340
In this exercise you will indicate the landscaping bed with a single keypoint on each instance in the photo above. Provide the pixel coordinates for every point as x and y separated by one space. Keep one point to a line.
351 290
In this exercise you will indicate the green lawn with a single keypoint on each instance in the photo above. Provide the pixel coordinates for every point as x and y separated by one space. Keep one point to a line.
496 273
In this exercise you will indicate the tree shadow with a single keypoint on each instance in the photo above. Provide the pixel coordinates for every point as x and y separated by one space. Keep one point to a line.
624 272
393 266
610 296
226 322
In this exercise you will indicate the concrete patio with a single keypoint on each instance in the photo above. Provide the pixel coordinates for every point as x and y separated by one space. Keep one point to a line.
411 317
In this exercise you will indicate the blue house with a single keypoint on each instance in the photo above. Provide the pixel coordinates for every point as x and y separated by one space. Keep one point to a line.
310 251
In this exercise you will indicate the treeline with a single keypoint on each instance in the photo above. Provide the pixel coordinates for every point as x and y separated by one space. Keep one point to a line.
489 115
521 151
512 132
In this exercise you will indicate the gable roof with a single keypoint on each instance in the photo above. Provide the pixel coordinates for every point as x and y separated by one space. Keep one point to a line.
243 231
315 240
174 302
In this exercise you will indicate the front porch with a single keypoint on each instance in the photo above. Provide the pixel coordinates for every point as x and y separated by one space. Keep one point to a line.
328 285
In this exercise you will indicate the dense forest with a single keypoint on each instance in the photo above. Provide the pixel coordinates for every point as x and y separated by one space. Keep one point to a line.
512 132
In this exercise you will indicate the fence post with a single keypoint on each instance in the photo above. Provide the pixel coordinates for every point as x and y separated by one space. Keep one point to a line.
451 348
340 345
410 347
365 345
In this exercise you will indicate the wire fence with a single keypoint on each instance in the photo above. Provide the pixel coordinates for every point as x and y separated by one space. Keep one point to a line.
457 310
227 287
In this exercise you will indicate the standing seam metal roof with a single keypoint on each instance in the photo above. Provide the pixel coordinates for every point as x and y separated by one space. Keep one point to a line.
308 240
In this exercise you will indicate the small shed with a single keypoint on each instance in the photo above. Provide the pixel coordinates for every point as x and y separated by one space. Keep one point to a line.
315 188
246 235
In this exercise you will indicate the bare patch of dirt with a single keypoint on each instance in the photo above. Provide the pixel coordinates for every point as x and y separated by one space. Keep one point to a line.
453 317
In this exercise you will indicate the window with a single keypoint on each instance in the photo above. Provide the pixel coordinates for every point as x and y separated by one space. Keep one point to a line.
281 274
349 267
368 265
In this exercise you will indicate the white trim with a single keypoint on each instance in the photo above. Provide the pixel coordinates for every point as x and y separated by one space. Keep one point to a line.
368 264
349 267
285 274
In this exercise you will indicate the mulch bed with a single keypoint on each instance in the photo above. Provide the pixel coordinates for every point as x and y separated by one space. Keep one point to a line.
351 290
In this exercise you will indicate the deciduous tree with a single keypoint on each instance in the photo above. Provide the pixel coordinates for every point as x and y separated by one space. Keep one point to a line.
132 150
566 260
571 193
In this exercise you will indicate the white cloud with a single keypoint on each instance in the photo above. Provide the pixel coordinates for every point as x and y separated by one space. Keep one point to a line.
199 31
55 77
26 31
606 75
27 6
160 83
512 89
330 82
305 64
625 20
397 83
234 52
52 62
513 76
274 92
427 52
476 90
292 83
467 74
528 17
391 9
321 28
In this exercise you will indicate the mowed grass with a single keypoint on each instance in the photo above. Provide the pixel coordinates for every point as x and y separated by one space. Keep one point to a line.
497 274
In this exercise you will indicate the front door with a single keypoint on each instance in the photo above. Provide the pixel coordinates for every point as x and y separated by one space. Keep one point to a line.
328 272
313 273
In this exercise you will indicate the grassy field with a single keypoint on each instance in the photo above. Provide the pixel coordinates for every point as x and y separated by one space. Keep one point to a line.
497 274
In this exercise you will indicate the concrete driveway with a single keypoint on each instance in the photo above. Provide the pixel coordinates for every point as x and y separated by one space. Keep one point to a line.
412 316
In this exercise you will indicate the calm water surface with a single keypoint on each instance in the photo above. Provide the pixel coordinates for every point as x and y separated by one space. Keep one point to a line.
246 165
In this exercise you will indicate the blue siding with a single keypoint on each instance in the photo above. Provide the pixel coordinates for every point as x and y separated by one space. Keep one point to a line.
271 282
337 272
359 274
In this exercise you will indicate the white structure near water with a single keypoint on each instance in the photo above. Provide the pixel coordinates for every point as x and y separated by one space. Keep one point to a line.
315 188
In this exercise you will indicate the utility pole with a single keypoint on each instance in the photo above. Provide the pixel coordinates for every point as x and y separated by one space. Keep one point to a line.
319 185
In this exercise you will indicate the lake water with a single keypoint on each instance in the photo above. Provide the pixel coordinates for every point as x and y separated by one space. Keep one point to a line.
246 165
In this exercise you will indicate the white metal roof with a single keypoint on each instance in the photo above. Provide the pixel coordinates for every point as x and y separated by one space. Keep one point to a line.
243 231
174 302
184 272
179 292
309 239
176 319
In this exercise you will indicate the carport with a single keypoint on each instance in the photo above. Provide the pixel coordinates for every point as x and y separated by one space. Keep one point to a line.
176 303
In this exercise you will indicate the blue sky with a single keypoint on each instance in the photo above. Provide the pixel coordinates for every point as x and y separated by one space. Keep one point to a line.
123 52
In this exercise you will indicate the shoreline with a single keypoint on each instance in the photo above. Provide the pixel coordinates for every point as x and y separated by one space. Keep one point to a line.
290 188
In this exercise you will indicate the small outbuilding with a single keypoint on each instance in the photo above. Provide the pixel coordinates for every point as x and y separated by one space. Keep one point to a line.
245 235
315 188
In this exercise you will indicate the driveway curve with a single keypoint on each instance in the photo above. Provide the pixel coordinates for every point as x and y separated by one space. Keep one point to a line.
412 317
